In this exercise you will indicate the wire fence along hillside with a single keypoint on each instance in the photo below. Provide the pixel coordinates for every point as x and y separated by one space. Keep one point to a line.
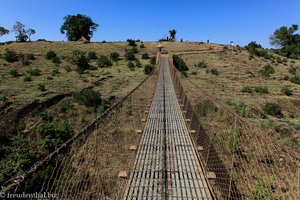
248 164
87 166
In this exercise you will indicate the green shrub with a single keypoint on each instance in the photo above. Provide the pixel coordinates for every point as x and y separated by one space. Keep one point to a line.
202 64
247 89
148 69
153 60
293 70
204 107
27 78
145 56
34 72
91 55
65 105
50 77
14 73
53 136
214 72
88 97
129 55
241 108
41 87
138 64
267 71
131 42
287 91
30 56
10 56
261 90
272 109
80 60
179 63
25 61
55 72
194 73
263 189
103 62
50 55
131 65
114 56
295 79
68 68
134 50
142 46
56 60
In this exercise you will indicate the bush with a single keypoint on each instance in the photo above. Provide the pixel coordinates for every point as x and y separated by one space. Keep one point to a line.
25 61
131 42
52 135
65 105
27 78
287 91
81 61
134 50
179 63
30 56
10 56
114 56
68 68
56 60
145 56
267 71
261 90
131 65
241 108
247 89
296 80
129 55
91 55
272 109
293 70
14 73
138 64
204 107
142 46
34 72
50 55
55 72
104 61
88 97
194 73
153 60
41 87
214 72
148 69
202 64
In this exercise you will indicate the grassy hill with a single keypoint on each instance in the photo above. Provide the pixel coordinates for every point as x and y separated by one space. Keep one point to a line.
231 74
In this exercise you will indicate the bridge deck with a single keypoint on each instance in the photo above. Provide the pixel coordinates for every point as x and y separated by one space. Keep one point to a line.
166 166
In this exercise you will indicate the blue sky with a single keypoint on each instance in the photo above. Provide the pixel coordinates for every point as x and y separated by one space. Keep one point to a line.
220 21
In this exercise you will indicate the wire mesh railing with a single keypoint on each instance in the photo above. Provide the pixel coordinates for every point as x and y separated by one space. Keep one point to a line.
87 165
247 163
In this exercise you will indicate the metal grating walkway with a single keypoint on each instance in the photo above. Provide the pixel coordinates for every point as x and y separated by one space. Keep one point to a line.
166 166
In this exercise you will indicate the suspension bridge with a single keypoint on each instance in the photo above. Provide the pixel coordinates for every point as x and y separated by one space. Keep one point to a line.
152 145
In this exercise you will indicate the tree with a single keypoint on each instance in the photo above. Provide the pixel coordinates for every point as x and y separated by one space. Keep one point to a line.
77 26
172 34
21 33
3 31
284 36
30 32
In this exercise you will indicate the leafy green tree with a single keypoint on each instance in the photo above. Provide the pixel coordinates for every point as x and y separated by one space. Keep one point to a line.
22 34
77 26
172 34
30 32
3 31
284 36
